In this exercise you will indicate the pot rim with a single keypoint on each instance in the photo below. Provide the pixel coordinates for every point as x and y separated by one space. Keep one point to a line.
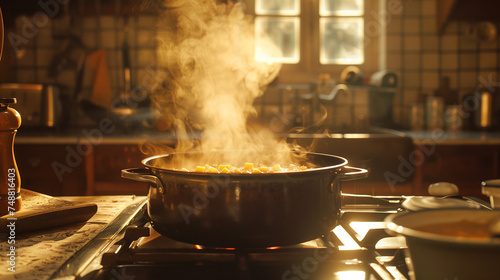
145 163
393 226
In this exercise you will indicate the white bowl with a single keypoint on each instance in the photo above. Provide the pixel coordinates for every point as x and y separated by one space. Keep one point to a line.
446 256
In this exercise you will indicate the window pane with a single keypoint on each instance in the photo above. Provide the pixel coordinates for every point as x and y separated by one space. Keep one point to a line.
341 7
277 7
341 41
277 39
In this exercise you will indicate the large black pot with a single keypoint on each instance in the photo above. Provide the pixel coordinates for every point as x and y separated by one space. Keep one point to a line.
245 210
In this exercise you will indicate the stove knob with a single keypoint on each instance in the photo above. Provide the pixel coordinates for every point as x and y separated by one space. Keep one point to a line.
443 189
491 188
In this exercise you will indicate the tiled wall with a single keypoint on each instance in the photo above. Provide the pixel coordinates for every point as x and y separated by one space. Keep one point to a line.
422 56
415 51
97 32
319 107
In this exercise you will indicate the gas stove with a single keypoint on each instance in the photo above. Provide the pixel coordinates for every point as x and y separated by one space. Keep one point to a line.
358 248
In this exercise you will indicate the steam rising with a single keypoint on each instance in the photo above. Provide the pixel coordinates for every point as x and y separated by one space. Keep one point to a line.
209 51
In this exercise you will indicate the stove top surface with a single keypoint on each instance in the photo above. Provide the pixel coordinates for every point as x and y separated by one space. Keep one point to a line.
358 248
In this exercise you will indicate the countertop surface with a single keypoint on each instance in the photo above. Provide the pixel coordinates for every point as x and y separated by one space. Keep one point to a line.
441 137
95 136
38 255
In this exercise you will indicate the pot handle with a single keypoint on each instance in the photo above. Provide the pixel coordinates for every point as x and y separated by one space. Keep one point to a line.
143 175
359 173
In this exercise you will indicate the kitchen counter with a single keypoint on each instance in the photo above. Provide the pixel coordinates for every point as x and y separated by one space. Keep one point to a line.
40 254
440 137
94 136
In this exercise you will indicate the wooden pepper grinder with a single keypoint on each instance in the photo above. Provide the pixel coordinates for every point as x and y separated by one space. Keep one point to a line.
10 181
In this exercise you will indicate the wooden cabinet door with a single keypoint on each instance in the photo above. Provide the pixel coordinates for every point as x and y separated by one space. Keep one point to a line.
52 169
109 160
464 165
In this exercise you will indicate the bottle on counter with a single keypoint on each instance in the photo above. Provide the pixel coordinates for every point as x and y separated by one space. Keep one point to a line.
10 181
434 112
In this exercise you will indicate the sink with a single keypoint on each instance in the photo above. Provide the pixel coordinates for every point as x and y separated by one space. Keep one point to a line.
384 152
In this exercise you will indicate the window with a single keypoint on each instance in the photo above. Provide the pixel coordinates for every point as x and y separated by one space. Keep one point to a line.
277 31
341 32
311 37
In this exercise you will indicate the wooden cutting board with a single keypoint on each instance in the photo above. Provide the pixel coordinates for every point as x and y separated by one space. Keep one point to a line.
40 211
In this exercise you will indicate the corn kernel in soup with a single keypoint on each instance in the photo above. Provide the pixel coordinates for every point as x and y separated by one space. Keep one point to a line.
247 168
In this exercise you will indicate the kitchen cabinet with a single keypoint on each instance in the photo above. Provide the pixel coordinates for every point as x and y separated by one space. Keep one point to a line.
66 169
464 165
108 161
81 163
53 169
466 159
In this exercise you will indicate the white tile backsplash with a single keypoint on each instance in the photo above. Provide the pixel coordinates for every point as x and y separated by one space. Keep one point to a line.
90 39
412 8
113 59
147 22
429 8
108 39
451 27
97 32
468 43
430 61
487 79
43 76
449 61
26 75
90 22
394 25
449 42
44 57
412 43
146 38
411 61
430 43
488 45
411 26
411 95
107 22
426 55
44 38
412 79
430 80
429 25
394 43
468 79
145 58
66 78
488 59
468 60
26 57
393 61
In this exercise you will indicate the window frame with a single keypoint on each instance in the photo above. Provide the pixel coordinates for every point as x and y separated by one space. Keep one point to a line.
309 67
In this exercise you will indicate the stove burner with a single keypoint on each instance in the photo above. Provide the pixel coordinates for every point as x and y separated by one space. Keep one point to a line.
358 248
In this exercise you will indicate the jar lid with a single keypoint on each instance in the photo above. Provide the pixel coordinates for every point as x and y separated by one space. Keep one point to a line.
10 100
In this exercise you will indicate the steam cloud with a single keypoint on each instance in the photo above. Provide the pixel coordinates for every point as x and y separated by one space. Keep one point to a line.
208 48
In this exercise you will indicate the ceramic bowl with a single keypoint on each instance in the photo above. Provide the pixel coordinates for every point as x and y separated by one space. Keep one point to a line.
452 244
